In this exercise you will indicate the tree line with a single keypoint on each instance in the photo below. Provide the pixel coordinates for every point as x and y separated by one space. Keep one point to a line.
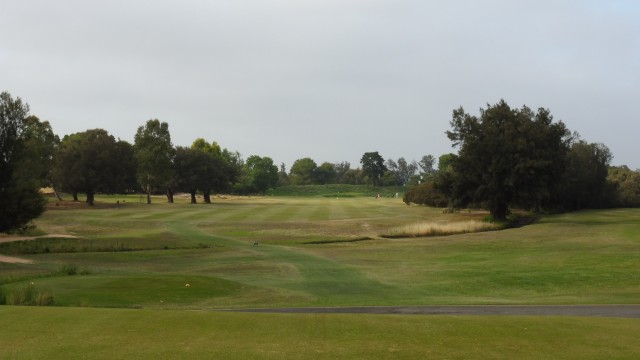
511 158
506 158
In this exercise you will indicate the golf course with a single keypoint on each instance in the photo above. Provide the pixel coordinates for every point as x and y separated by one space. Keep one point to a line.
126 279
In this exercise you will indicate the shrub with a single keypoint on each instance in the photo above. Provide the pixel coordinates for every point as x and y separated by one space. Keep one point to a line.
425 194
69 269
31 296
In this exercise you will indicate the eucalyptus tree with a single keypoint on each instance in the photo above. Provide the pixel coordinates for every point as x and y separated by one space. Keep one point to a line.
154 155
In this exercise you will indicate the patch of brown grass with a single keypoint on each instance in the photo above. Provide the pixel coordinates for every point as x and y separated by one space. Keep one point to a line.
425 229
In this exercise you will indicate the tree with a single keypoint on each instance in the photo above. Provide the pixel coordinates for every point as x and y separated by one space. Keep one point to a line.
401 170
506 156
303 172
91 162
341 170
154 154
186 169
427 167
261 174
373 167
584 179
325 174
19 191
627 185
283 177
212 169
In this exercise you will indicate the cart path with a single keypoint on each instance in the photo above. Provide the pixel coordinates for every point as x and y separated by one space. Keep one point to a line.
619 311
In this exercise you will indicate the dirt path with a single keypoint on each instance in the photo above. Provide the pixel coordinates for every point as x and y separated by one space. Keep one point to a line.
621 311
14 260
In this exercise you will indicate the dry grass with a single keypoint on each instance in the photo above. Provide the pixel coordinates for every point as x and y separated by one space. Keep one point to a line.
440 228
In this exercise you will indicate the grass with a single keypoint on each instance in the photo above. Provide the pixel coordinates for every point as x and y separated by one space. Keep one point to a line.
72 333
311 252
424 229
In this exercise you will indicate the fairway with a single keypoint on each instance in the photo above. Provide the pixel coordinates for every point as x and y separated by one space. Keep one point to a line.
277 252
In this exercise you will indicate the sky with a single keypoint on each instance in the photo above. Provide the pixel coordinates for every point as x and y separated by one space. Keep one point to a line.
325 79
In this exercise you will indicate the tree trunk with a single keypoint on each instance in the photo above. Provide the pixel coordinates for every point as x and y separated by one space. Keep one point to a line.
193 196
499 211
75 195
207 197
170 196
90 197
148 194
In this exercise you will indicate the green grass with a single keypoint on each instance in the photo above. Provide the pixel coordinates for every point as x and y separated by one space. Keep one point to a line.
141 257
309 255
73 333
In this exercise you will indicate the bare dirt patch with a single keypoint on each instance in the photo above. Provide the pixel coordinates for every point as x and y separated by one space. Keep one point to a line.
14 260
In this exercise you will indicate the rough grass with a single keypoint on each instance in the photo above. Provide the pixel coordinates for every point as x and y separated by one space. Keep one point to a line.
424 229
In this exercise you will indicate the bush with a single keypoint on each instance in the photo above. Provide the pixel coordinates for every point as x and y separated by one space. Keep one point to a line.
425 194
69 269
30 295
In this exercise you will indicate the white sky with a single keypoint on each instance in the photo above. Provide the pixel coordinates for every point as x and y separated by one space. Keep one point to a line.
326 79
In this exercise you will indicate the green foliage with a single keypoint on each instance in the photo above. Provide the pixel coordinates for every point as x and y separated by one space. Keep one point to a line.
583 183
336 190
303 172
154 155
627 185
261 174
23 164
426 194
93 161
373 167
29 295
506 156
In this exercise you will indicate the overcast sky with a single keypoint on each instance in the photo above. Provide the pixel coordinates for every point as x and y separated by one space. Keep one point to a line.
326 79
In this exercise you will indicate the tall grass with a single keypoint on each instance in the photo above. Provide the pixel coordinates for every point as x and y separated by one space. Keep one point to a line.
29 295
425 229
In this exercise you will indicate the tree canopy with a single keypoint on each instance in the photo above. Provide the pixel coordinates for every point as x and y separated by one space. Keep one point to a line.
154 154
506 156
19 189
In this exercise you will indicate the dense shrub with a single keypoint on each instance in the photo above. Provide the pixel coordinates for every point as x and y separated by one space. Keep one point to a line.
425 194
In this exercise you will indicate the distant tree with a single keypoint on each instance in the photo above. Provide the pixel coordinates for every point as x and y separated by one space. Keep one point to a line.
627 185
584 179
261 173
507 156
303 172
19 190
283 177
154 154
37 151
427 167
445 161
90 162
213 169
341 170
325 174
186 169
426 194
373 167
353 177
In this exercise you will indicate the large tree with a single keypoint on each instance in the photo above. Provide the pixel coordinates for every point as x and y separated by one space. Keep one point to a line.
373 167
19 190
506 156
92 161
303 172
261 174
154 154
